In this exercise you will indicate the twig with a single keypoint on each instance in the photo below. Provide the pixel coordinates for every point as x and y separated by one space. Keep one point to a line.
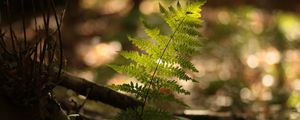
99 93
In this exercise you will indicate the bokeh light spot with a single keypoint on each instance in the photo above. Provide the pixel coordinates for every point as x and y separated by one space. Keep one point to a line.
268 80
272 57
252 61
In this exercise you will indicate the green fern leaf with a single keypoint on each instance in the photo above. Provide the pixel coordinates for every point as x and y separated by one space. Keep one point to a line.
162 57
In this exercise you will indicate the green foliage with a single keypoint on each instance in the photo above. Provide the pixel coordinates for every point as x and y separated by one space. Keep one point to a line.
165 57
149 114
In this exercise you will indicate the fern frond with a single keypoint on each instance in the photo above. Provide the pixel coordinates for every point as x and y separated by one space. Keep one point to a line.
162 97
184 63
164 56
149 114
135 88
133 71
154 34
149 46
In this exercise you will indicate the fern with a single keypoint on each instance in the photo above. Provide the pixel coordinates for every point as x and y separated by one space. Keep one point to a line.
166 56
149 114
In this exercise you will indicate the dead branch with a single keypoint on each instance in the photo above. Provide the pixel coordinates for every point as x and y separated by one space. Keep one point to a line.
98 92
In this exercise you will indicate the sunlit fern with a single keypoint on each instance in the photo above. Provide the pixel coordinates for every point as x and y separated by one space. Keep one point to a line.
166 56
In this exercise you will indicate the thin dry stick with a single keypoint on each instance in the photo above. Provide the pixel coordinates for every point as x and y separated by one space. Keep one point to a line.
10 26
23 23
59 38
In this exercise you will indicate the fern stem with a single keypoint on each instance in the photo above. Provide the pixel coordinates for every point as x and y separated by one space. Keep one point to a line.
157 65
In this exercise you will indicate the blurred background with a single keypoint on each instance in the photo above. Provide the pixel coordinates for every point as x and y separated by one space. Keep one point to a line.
249 64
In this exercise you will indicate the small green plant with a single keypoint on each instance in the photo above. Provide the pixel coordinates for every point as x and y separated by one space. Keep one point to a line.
162 61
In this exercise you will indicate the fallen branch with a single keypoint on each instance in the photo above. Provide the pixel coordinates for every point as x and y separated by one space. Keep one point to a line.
98 92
